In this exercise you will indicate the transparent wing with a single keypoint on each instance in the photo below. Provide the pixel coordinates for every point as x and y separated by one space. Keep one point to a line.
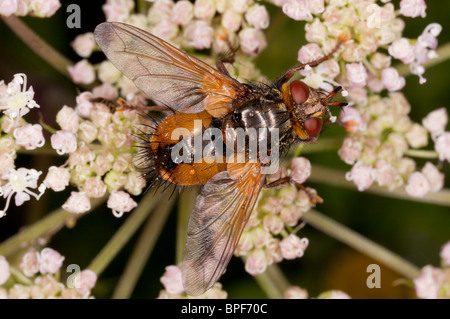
216 224
165 73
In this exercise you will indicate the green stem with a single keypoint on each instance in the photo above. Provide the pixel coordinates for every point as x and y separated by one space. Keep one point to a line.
38 45
443 55
185 206
121 237
321 174
273 282
322 145
46 226
55 59
20 277
143 249
422 154
361 243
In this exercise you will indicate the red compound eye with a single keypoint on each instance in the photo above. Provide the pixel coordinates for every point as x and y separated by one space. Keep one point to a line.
299 92
313 126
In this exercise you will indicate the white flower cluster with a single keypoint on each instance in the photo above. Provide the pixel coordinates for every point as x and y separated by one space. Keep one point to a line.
36 8
16 100
38 278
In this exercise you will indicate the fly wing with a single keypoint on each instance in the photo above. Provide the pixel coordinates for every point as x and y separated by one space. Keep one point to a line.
165 73
215 226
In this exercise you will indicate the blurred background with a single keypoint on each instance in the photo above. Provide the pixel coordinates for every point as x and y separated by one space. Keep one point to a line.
415 231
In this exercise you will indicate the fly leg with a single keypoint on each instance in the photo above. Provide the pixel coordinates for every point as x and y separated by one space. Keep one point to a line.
344 37
229 58
121 105
312 194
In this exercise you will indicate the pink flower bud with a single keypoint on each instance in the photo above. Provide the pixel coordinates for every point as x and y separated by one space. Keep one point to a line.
101 115
239 6
260 236
116 10
77 203
84 104
120 202
391 80
204 9
231 20
361 175
273 205
245 244
50 261
297 10
166 29
64 142
273 252
356 74
417 136
4 270
316 31
293 247
94 187
135 183
30 263
88 279
442 146
287 194
106 91
290 215
29 136
295 292
257 16
8 7
172 281
350 118
102 163
6 162
418 186
413 8
57 178
82 72
87 132
199 34
182 12
434 177
256 262
84 44
252 41
309 52
428 283
436 121
273 224
108 73
445 254
301 170
403 50
337 294
350 150
68 119
45 8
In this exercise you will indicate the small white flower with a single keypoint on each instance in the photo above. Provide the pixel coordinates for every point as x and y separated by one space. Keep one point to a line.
77 203
19 100
19 183
120 202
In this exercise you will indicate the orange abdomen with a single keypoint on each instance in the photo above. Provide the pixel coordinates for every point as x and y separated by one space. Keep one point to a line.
165 150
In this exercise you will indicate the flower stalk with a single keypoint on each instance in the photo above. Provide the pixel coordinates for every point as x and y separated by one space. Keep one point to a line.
45 227
125 232
143 249
361 243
